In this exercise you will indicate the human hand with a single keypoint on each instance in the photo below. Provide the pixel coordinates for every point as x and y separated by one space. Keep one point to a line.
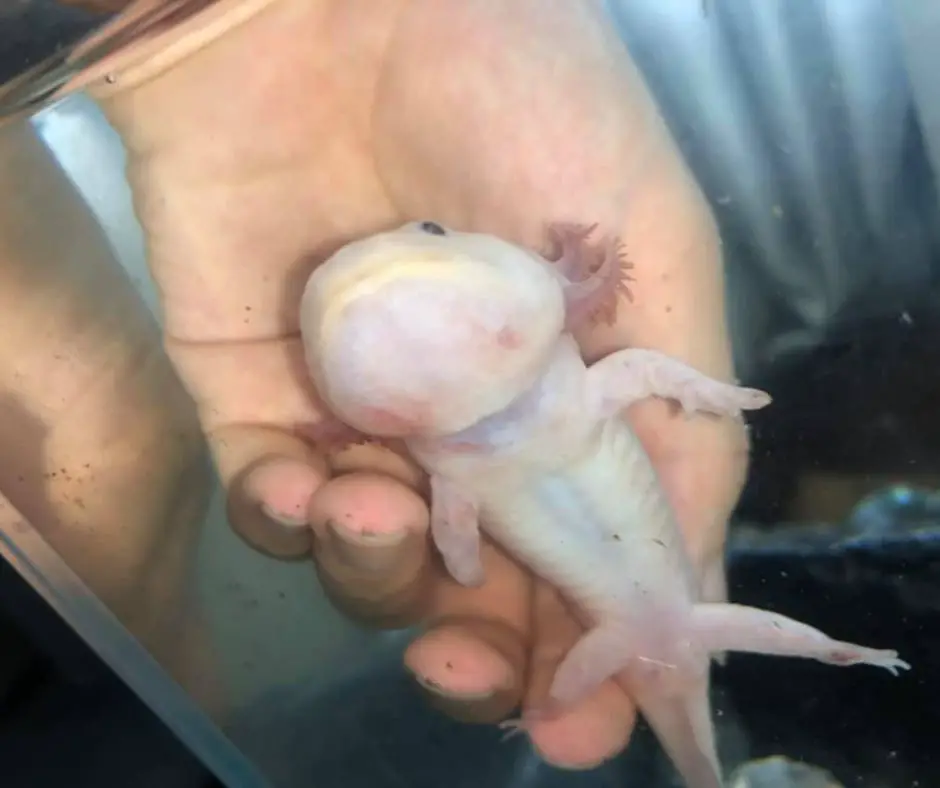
254 155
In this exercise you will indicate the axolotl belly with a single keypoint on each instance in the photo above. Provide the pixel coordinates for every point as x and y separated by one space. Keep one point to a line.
460 344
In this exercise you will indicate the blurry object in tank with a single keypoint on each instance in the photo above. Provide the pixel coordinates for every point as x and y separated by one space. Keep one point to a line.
779 772
822 496
31 30
851 417
76 45
896 508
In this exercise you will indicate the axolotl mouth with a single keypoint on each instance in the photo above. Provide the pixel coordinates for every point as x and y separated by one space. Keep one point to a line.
419 331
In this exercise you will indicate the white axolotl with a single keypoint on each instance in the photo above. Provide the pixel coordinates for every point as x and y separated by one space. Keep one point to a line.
459 344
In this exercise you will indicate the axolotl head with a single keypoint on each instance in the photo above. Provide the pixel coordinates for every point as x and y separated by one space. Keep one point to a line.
424 330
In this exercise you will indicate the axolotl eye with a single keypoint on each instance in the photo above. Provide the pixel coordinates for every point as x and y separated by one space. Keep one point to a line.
432 228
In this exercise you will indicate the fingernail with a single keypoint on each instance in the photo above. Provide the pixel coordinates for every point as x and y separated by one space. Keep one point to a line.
438 689
364 549
273 533
366 537
283 518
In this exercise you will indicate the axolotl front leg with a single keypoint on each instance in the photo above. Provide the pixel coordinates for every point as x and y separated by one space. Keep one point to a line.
455 529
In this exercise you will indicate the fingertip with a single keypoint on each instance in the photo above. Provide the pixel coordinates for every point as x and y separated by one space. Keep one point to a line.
467 675
368 509
588 735
371 547
592 731
267 505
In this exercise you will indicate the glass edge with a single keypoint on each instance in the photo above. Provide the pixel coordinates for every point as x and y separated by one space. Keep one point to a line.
80 609
59 74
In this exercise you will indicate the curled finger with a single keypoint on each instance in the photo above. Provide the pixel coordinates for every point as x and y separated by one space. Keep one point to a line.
267 497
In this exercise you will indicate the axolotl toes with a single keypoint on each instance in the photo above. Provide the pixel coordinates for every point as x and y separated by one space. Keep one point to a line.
460 345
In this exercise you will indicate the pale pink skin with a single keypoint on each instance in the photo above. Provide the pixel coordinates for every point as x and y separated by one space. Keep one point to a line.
553 472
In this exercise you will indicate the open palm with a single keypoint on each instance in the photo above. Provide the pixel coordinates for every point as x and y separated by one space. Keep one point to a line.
256 154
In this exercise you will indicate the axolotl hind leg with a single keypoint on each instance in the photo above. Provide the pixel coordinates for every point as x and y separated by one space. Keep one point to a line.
674 697
730 627
682 720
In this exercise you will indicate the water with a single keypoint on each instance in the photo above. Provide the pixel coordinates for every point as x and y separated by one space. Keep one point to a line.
812 130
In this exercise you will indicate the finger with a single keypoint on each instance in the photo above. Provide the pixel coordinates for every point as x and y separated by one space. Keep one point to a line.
472 659
376 458
371 548
591 732
277 475
254 401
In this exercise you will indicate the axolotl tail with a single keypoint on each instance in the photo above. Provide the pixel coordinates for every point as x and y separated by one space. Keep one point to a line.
683 725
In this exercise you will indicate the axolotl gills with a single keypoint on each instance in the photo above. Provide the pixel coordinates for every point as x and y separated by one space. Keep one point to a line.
460 346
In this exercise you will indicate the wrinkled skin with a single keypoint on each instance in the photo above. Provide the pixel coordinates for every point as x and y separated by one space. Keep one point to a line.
317 121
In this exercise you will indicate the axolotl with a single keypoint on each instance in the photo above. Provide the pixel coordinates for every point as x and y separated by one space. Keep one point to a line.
460 345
